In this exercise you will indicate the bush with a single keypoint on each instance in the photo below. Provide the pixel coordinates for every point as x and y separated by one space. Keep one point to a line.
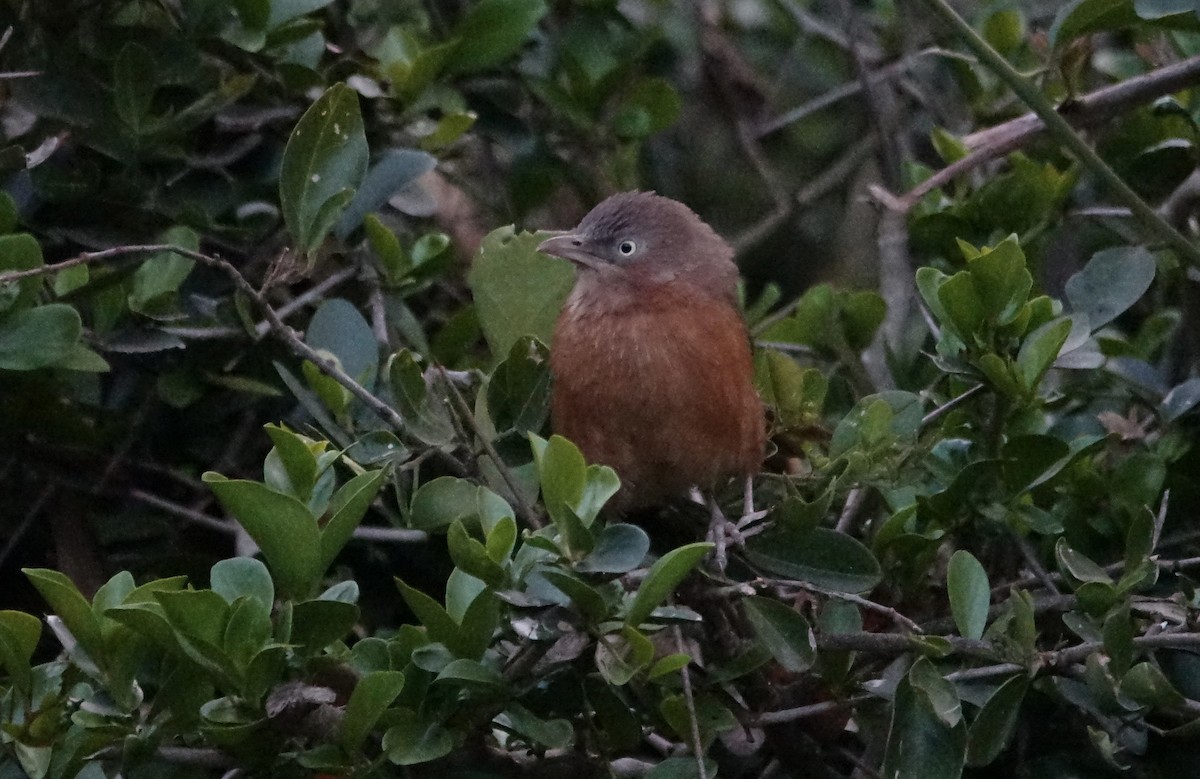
980 480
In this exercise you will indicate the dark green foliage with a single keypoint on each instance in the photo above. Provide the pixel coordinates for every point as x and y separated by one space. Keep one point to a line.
295 452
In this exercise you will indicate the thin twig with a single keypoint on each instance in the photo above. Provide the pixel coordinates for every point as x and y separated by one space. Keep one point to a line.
1035 564
90 257
690 702
315 293
396 535
526 511
854 503
1065 134
858 600
985 672
811 710
950 405
1087 111
276 326
15 537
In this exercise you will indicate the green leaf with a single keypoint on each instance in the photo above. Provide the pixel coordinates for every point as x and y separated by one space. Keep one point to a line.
450 127
472 557
936 692
386 247
39 337
563 473
425 416
341 330
281 526
286 10
797 394
412 741
470 672
19 634
318 623
784 631
619 548
393 171
1146 684
1158 9
1180 400
1005 29
371 697
970 593
243 576
884 418
683 767
157 280
247 631
492 31
662 578
996 722
651 106
965 312
518 391
590 602
478 625
1001 280
1118 631
708 713
1077 565
324 161
949 147
70 605
1086 16
134 82
602 483
1033 460
619 657
438 503
862 314
502 537
349 505
552 734
1112 281
197 614
823 557
297 462
517 291
1138 480
437 621
919 744
17 253
1039 351
335 397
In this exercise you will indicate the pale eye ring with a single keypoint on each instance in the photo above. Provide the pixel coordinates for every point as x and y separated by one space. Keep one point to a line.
626 248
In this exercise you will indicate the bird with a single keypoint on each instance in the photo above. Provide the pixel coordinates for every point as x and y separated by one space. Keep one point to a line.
650 357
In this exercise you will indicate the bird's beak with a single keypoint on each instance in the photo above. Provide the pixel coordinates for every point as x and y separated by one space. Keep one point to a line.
570 246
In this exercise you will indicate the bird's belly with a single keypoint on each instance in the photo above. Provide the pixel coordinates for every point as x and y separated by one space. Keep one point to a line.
664 399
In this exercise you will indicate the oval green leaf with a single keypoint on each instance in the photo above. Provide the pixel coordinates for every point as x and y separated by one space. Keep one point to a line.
323 163
821 556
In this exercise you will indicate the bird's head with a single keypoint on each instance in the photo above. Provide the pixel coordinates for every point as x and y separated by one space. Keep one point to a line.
648 236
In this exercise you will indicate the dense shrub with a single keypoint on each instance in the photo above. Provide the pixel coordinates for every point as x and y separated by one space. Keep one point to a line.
276 454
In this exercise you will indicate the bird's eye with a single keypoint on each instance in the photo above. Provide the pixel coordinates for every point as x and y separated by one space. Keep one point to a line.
626 248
